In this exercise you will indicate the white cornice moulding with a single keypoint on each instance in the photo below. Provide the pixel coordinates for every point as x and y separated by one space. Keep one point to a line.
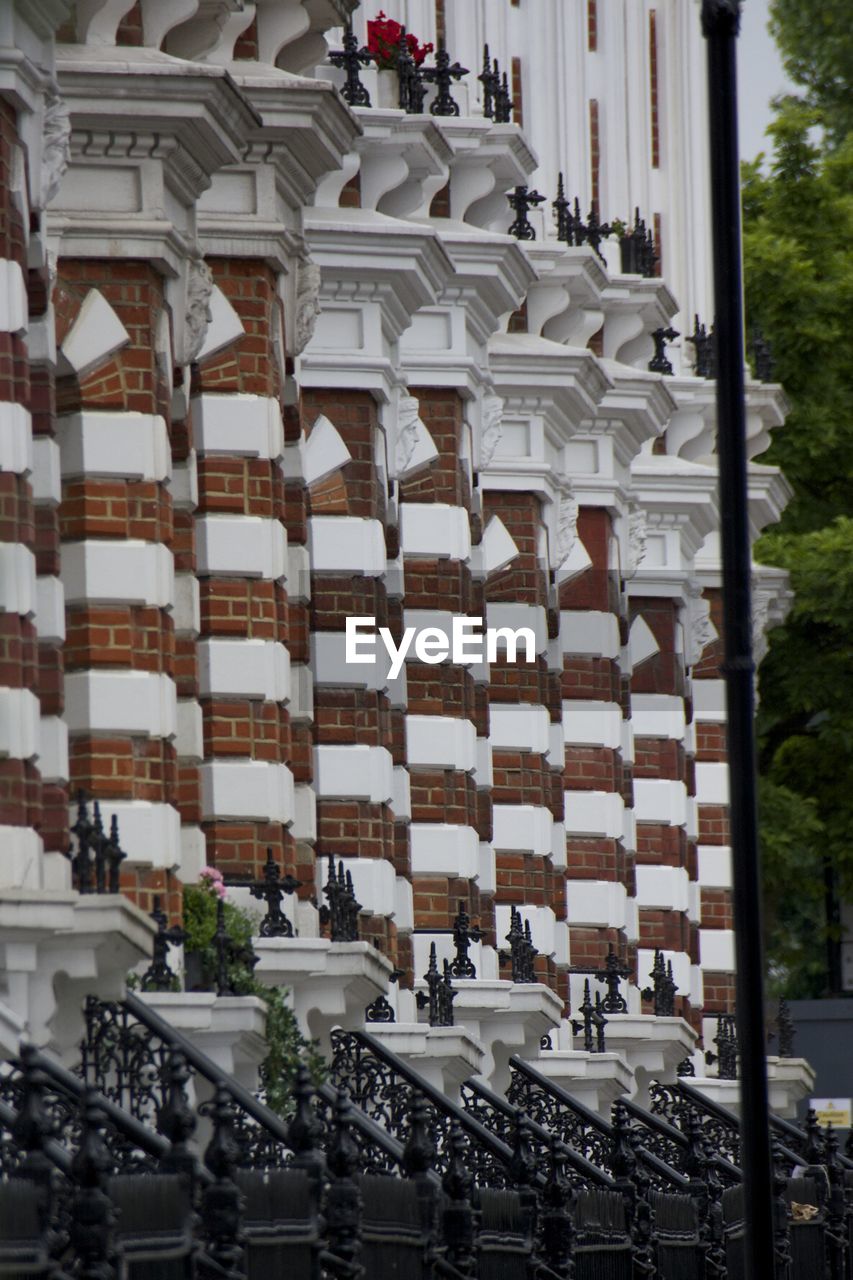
246 789
243 426
346 544
242 668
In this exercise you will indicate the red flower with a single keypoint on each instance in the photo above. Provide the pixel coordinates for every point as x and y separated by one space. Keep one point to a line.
383 41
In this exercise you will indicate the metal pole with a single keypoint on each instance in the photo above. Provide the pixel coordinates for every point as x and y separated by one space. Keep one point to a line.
720 22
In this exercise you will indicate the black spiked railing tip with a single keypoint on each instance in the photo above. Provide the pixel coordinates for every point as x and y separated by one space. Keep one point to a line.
663 989
351 59
595 231
503 100
95 857
461 966
562 211
231 957
599 1022
221 1205
442 76
704 350
490 82
419 1149
584 1024
341 913
439 995
271 890
726 1056
521 201
158 976
660 337
522 953
557 1230
784 1033
410 77
32 1127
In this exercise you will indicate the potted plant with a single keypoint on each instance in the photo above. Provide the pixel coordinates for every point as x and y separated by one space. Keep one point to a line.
384 37
286 1046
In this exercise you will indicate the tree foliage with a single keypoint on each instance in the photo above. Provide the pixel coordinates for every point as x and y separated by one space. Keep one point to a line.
816 41
798 231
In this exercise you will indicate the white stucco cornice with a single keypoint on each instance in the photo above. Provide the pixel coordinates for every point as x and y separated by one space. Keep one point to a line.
681 507
692 431
768 494
403 161
376 274
637 408
446 344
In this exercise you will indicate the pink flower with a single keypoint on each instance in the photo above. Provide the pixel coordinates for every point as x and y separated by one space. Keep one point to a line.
214 881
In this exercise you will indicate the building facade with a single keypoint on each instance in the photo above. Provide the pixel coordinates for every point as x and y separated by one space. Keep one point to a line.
274 360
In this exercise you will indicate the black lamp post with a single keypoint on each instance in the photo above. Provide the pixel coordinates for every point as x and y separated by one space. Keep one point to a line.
720 23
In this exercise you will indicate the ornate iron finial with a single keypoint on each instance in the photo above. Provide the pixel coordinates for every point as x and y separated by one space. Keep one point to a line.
380 1010
457 1218
765 365
663 989
92 1212
99 843
813 1153
114 856
32 1128
563 214
611 975
82 831
341 915
461 966
442 76
659 362
595 232
491 83
352 59
304 1130
727 1049
599 1022
522 953
503 100
584 1024
521 201
220 1206
271 890
703 360
685 1067
158 976
557 1230
412 87
419 1148
176 1121
522 1166
545 1042
439 996
623 1159
343 1196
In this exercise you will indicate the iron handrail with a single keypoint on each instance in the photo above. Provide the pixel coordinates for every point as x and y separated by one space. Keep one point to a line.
730 1120
578 1162
650 1121
496 1146
649 1158
259 1112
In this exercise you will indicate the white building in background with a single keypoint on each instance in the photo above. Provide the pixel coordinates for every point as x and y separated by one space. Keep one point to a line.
273 362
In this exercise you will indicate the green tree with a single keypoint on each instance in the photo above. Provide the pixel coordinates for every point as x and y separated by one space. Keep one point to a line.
798 231
815 38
